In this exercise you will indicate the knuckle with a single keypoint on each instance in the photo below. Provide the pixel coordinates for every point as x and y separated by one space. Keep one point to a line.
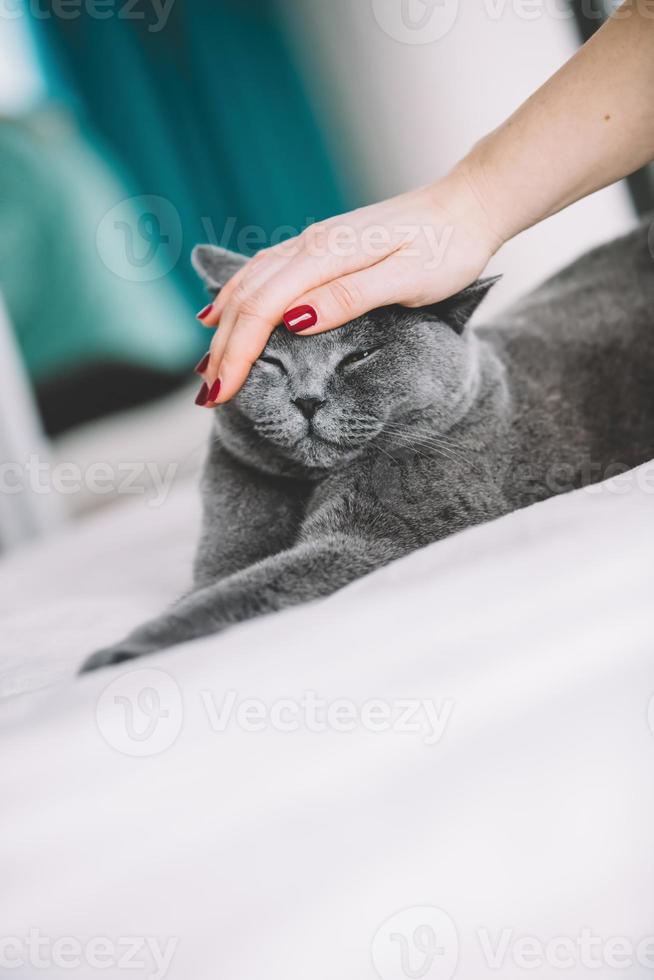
255 263
215 355
249 337
259 271
346 296
253 305
235 366
314 236
247 299
241 292
289 248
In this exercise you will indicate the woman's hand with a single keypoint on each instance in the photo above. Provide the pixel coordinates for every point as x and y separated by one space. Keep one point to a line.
587 126
414 249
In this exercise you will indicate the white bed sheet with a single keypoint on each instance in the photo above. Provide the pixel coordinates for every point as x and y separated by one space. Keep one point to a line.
529 815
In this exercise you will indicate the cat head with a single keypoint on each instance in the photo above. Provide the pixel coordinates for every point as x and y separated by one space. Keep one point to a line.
318 401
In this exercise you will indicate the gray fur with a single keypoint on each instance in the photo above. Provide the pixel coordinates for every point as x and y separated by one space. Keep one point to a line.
439 429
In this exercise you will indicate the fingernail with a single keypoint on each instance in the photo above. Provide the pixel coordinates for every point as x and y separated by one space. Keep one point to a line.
300 318
205 312
214 391
202 366
203 395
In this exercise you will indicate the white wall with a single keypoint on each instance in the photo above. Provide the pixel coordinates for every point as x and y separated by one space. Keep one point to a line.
408 111
24 510
21 84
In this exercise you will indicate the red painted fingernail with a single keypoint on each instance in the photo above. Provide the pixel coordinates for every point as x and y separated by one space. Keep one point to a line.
205 312
300 318
203 395
214 391
202 366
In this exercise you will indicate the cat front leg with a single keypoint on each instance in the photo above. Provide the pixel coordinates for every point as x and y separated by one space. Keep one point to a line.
247 516
310 570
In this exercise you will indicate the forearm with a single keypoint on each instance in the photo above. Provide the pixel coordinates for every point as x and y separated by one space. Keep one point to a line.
589 125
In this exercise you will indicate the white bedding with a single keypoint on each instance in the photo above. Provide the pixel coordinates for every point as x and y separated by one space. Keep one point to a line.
523 808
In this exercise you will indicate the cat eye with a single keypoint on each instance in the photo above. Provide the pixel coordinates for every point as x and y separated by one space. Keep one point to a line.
273 360
359 355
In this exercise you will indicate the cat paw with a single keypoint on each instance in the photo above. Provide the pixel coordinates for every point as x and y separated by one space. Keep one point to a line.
106 658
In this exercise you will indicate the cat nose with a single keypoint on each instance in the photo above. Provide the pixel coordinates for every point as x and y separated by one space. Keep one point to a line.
308 406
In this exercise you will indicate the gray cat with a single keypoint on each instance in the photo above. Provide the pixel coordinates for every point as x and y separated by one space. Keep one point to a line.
349 449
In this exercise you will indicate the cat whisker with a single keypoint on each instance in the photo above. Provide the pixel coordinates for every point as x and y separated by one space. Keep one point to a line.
389 455
417 436
429 442
428 438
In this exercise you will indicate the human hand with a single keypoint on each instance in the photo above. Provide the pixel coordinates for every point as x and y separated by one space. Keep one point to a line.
415 249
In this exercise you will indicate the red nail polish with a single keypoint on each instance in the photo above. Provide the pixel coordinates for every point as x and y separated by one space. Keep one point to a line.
205 312
300 318
202 366
214 391
203 395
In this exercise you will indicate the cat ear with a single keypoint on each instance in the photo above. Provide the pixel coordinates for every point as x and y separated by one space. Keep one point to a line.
215 266
457 310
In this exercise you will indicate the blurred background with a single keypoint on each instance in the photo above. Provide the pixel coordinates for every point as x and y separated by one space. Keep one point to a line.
132 129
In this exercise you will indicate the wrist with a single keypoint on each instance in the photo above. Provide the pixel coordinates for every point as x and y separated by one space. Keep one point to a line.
462 195
493 206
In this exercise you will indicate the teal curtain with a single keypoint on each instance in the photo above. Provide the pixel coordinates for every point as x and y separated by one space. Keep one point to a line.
72 297
204 109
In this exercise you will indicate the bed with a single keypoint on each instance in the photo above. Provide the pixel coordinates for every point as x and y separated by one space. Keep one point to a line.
445 770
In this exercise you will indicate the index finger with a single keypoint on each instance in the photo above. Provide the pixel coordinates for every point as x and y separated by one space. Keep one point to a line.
255 271
254 319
